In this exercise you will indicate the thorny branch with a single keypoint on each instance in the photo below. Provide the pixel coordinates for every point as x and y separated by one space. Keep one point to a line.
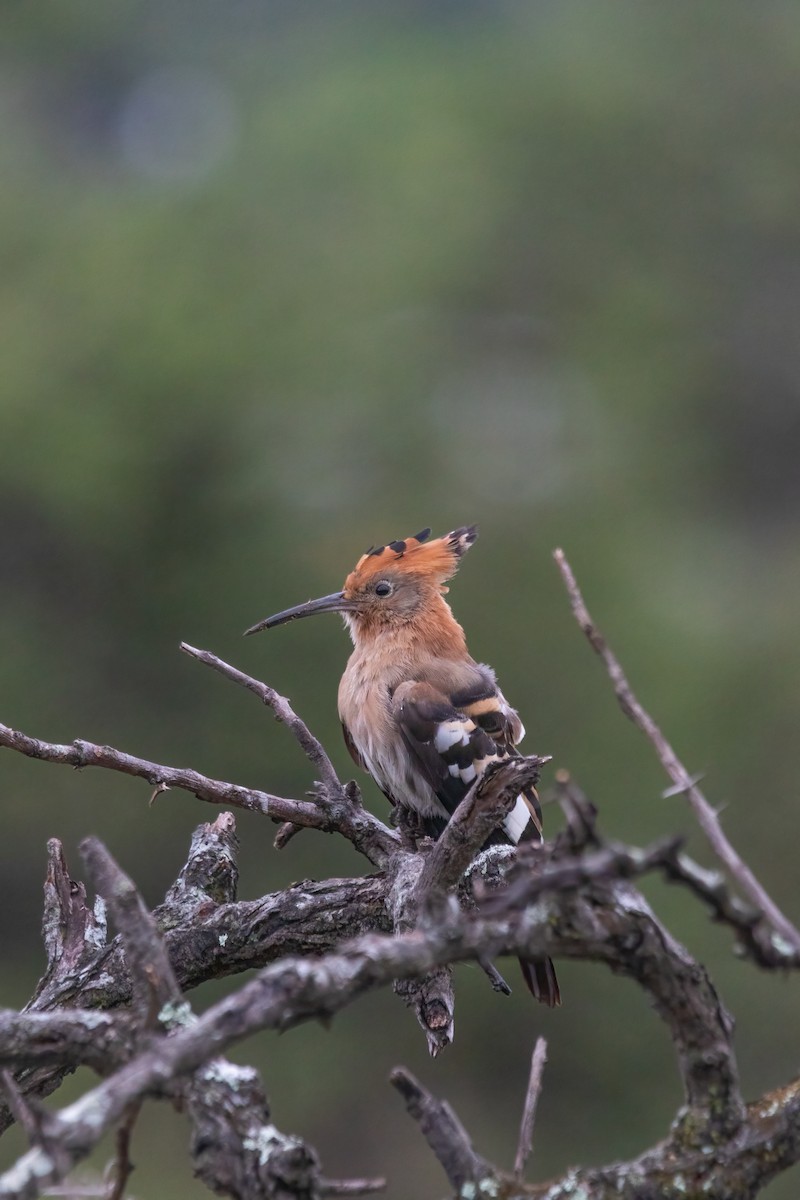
369 835
707 818
119 1006
609 922
296 990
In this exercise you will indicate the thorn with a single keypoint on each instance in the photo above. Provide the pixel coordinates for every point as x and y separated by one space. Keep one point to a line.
157 790
680 789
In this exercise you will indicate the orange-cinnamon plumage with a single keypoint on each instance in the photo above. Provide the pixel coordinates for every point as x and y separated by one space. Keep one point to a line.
418 712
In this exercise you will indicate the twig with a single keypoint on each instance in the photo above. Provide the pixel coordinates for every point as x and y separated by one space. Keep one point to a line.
351 1187
341 801
754 935
311 747
442 1130
86 754
608 862
369 835
121 1167
287 831
495 978
529 1112
681 778
717 1170
25 1116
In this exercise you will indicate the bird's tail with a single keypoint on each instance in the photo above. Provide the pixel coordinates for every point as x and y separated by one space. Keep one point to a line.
540 976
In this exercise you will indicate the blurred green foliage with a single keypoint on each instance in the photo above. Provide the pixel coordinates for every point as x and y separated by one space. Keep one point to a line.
280 281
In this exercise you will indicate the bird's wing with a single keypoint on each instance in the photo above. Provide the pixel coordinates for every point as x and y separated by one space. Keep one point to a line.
482 700
452 736
486 705
355 754
452 749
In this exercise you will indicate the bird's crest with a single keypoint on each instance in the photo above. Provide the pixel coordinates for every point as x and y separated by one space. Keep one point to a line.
436 561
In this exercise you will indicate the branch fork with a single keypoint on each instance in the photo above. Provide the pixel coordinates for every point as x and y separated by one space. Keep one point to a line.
119 1005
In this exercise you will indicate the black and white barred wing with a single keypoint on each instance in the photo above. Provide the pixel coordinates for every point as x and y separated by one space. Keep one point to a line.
452 748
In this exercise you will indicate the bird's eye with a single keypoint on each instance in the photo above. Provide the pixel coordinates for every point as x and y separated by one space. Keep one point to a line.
383 588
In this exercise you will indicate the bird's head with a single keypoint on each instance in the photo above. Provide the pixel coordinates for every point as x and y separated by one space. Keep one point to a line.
390 585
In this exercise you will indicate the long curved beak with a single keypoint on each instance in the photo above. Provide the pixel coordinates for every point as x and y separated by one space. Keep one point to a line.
336 602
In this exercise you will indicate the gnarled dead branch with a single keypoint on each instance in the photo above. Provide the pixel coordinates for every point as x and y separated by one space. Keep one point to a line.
119 1005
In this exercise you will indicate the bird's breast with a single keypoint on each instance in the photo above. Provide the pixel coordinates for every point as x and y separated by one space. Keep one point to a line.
365 709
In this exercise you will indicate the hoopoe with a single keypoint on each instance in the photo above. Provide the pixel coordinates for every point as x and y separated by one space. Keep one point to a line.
418 713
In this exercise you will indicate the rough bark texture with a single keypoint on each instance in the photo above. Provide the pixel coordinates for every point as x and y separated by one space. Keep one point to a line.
120 1006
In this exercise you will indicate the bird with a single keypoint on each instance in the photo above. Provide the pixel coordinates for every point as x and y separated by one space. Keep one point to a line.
418 713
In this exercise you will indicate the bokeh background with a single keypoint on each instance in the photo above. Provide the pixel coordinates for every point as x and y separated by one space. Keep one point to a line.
282 280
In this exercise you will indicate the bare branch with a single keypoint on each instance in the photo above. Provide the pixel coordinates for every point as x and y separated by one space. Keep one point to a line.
490 799
24 1115
74 935
681 778
571 898
351 1187
206 940
369 835
613 926
754 936
211 872
121 1167
311 747
442 1130
153 980
285 834
525 1144
604 919
235 1148
446 860
68 1037
73 932
717 1170
495 978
